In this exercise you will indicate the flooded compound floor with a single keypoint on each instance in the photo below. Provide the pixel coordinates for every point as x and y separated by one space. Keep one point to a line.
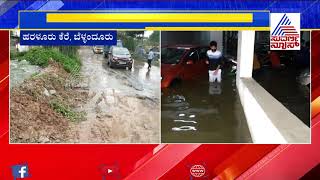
284 85
123 105
203 112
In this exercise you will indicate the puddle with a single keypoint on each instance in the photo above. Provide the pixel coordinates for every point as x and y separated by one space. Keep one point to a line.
21 70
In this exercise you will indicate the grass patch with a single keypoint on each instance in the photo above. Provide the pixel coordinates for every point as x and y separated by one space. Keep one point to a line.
34 74
40 56
66 111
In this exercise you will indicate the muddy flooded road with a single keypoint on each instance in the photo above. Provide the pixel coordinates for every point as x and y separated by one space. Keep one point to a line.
203 112
123 105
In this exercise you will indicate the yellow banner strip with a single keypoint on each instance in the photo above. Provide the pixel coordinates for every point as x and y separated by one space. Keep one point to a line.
150 17
207 28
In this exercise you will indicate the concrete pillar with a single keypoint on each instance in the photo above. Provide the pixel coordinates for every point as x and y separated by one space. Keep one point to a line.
245 54
268 120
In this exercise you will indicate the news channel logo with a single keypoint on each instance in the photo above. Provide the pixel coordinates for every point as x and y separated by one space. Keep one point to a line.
285 31
20 171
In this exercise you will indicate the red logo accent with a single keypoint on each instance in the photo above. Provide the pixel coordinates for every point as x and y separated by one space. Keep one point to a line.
197 171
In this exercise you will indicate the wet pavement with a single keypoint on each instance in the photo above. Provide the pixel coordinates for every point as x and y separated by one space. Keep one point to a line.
123 105
203 112
21 70
285 87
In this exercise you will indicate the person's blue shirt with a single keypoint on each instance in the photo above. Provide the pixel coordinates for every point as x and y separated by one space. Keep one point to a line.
215 59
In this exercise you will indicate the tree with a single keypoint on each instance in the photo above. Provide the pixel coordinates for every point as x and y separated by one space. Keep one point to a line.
128 42
154 38
135 34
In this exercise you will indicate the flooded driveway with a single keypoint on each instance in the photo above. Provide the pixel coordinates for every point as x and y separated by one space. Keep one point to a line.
123 105
199 112
284 85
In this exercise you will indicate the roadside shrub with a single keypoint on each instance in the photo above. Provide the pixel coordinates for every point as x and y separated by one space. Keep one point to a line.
40 56
71 51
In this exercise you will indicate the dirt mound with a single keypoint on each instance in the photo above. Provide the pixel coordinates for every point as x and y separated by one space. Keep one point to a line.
33 118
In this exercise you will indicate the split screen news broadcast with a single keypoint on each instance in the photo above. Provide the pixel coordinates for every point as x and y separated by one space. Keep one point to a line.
148 90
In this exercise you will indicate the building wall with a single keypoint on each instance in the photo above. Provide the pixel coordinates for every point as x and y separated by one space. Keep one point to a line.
192 37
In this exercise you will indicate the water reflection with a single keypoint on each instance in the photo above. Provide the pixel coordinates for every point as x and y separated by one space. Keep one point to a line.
215 88
184 128
185 121
283 84
203 112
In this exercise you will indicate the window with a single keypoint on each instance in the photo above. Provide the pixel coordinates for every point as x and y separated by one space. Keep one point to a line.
203 53
193 55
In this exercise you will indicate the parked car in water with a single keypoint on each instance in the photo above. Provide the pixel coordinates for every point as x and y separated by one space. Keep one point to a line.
119 57
97 49
106 49
182 62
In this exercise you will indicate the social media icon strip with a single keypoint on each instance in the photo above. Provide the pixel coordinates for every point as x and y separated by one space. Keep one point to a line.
20 171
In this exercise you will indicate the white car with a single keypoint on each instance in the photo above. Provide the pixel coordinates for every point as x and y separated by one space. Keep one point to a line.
97 49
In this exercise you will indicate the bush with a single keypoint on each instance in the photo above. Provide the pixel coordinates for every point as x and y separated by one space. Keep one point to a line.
40 56
71 51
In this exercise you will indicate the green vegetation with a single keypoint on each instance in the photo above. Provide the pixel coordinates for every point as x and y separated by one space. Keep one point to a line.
133 39
70 51
34 74
129 43
130 39
66 111
154 38
41 55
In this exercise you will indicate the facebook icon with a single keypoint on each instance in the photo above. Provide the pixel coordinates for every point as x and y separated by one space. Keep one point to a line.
20 171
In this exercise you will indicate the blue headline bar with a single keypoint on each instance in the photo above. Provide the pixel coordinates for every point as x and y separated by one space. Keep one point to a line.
69 38
38 20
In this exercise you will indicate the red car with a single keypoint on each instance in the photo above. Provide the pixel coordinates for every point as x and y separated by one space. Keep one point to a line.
185 62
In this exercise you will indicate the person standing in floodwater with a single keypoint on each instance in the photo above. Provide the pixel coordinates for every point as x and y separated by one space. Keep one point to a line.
150 57
215 62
